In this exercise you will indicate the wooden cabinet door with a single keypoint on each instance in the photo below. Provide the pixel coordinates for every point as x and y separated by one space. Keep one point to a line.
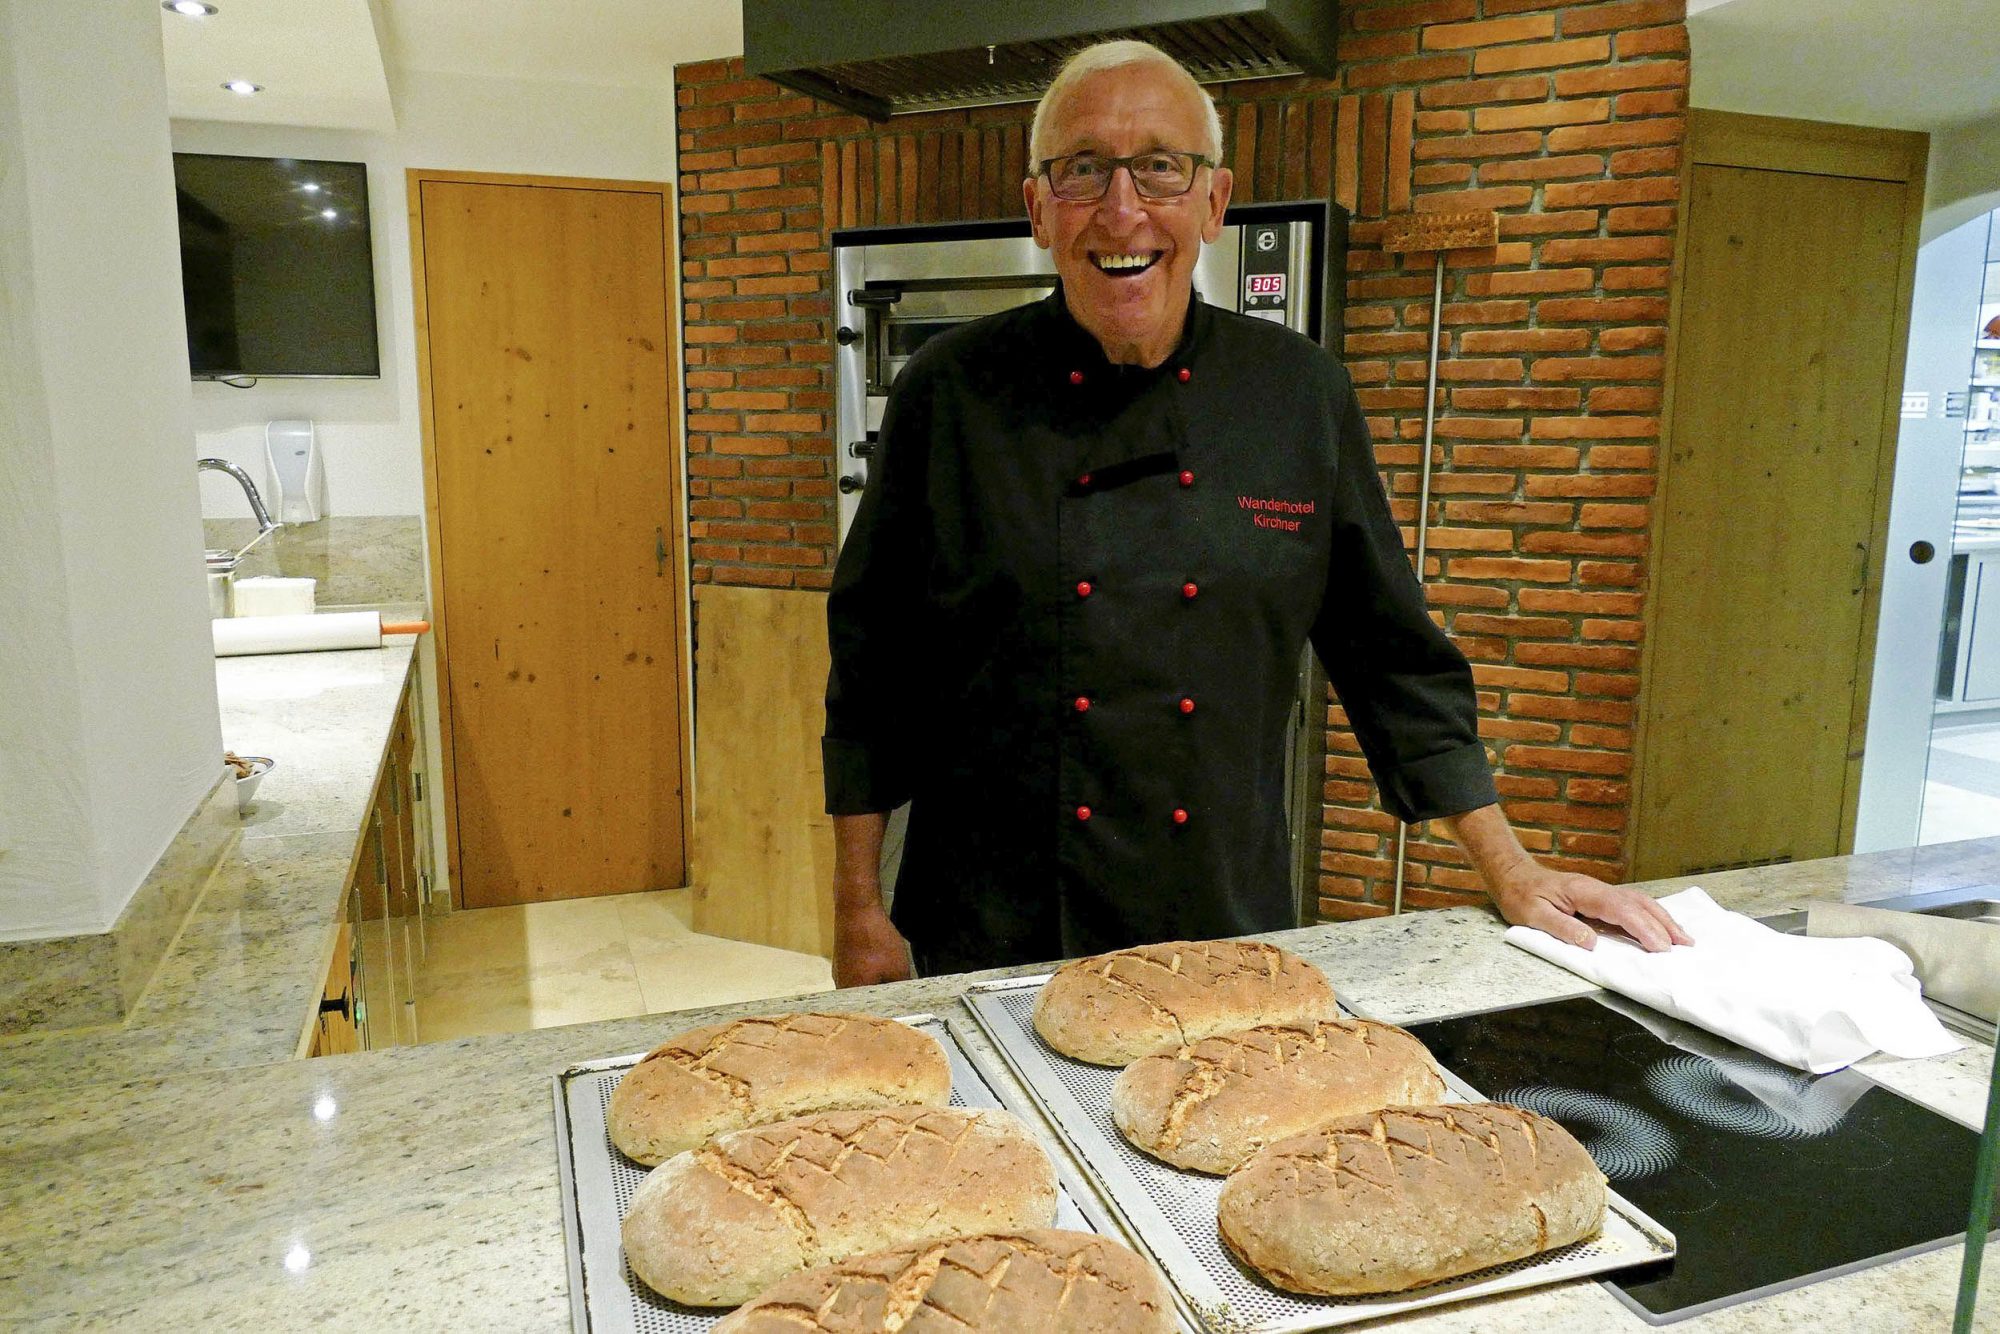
1792 305
546 353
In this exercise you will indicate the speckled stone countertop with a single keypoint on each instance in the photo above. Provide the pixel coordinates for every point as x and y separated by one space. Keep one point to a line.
242 980
417 1188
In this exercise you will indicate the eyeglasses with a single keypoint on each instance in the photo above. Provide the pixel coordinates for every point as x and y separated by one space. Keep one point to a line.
1083 177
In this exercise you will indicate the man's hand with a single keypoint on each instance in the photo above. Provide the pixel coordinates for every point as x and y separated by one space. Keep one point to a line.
1557 901
868 949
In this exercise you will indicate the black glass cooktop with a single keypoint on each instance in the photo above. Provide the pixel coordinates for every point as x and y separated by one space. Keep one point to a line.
1767 1177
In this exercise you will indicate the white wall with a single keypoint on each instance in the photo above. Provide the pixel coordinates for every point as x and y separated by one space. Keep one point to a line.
368 429
109 717
1963 181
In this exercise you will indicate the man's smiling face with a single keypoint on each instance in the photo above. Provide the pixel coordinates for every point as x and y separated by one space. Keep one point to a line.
1127 262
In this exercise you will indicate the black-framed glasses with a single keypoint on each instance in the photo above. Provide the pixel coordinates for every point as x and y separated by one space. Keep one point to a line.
1159 174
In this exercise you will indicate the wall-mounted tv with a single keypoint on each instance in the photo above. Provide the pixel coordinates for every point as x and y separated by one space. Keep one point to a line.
275 267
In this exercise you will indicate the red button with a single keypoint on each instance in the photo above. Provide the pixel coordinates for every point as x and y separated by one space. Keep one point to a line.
1188 590
1180 816
1187 479
1083 589
1076 377
1185 375
1082 704
1083 480
1187 704
1083 812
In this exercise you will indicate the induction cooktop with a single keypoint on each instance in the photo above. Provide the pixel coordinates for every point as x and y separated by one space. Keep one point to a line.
1769 1178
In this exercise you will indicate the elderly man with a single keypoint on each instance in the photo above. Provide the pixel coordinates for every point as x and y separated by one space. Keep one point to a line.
1099 532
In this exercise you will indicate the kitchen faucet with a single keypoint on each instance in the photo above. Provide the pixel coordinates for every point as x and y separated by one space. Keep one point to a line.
222 564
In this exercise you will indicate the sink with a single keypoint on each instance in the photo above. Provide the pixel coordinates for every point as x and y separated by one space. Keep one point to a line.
1972 910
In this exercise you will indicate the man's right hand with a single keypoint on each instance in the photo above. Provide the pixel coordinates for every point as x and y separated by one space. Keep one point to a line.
868 949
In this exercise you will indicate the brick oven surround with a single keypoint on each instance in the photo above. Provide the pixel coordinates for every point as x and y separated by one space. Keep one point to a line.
1566 118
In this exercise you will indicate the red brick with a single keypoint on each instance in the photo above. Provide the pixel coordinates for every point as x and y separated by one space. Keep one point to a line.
712 467
747 264
777 108
1568 707
1598 790
1595 428
1623 456
1619 16
1593 845
1376 46
752 444
1576 655
1601 310
1542 55
1442 173
1632 339
764 242
1519 678
1458 147
1529 280
1588 817
1443 122
1501 729
1578 111
1600 250
1636 279
745 399
1635 190
1347 909
1507 512
746 178
1472 312
1457 36
1514 456
1567 761
1415 69
1618 78
773 155
785 332
1641 218
1511 397
1460 369
1617 485
1531 571
1657 102
1608 574
1371 344
1617 685
1618 134
1523 340
1484 92
1549 224
1671 40
1541 168
1625 632
1625 398
1565 600
784 555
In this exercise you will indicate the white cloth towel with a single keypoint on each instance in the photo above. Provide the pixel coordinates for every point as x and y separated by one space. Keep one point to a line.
1813 1004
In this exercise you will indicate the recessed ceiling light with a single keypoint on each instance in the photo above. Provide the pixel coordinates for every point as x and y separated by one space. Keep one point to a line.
193 9
329 213
243 87
310 187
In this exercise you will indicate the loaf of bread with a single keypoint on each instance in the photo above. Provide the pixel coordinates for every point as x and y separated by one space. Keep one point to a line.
726 1077
717 1225
1112 1009
1041 1279
1408 1196
1209 1106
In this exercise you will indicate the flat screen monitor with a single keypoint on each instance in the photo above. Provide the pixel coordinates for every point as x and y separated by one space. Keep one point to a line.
275 267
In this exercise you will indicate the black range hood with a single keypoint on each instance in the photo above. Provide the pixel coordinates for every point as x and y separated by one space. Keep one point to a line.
885 58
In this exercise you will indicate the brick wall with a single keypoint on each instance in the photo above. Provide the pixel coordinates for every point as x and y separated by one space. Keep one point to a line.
1565 118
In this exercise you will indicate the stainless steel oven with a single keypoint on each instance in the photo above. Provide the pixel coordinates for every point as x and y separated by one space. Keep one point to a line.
899 287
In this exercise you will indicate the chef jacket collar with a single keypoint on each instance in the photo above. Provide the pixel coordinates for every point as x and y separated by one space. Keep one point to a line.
1074 349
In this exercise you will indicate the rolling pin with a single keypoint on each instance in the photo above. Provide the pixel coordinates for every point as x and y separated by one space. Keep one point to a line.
237 636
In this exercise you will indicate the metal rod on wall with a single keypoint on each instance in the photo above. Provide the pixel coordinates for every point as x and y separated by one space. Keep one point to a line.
1436 232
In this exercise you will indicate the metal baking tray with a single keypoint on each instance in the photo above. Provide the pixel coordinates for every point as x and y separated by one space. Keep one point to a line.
598 1181
1172 1212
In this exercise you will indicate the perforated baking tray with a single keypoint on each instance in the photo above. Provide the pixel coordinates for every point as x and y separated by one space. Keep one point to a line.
1172 1213
598 1181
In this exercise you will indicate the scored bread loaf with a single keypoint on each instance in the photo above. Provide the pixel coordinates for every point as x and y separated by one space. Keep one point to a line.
1041 1279
732 1076
1114 1008
1211 1105
717 1225
1408 1196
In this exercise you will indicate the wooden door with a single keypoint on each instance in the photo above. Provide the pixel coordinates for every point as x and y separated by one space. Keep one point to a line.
1792 307
546 346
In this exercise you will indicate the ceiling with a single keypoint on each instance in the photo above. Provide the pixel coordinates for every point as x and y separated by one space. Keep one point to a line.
1904 64
1898 64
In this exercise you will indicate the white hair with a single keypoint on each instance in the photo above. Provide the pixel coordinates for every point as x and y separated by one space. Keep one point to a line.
1116 55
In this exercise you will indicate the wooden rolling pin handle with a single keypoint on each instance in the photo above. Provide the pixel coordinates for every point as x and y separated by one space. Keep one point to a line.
405 627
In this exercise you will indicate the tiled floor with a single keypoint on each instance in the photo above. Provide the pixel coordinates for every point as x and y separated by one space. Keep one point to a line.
1962 786
504 970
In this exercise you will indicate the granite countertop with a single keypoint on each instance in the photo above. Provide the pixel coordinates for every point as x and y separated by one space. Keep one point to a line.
243 978
417 1188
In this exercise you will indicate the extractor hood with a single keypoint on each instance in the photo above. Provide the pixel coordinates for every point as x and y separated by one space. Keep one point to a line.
885 58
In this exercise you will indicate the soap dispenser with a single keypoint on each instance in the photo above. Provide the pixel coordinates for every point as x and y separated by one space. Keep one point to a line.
298 479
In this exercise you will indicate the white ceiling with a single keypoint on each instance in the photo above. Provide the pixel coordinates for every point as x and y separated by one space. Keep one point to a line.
1899 64
320 62
1904 64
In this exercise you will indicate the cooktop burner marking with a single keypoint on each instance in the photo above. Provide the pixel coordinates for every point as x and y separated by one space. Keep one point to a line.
1628 1143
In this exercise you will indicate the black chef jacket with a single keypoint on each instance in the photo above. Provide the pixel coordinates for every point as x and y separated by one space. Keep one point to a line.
1066 625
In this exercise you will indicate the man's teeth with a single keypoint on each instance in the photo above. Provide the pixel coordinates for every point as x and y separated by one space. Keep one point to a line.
1111 262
